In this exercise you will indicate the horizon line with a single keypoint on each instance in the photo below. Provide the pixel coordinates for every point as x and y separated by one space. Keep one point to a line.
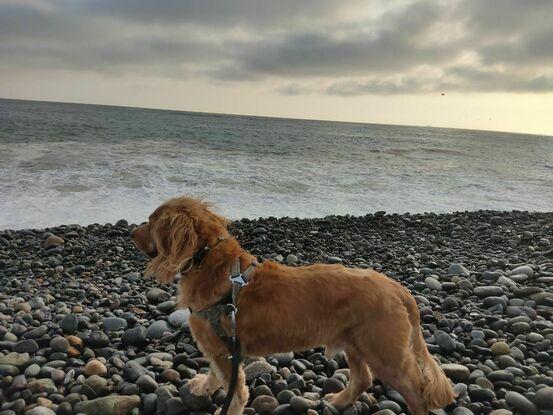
546 135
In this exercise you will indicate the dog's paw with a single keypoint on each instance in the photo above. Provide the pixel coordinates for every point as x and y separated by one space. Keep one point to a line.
198 385
335 399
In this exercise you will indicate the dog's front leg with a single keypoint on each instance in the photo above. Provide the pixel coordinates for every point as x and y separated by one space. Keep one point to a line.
221 366
204 384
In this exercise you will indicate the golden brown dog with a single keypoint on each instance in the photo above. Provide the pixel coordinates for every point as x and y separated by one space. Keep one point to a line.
366 314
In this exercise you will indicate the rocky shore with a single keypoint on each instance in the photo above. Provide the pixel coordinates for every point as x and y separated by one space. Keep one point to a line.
82 332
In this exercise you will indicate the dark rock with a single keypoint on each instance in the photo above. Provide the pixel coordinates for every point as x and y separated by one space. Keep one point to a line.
135 336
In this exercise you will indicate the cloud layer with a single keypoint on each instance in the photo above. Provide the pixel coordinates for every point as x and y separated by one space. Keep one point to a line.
334 47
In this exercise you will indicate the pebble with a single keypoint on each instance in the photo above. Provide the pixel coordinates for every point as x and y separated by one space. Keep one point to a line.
69 324
500 348
135 336
157 295
109 405
133 370
96 383
95 367
157 329
97 339
40 410
446 343
544 398
26 346
291 259
60 344
113 324
52 241
458 269
37 303
179 318
523 269
488 291
15 359
258 368
301 405
264 405
193 402
332 385
433 283
146 383
456 372
520 404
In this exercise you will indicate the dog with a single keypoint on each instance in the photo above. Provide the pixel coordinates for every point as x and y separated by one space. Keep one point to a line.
363 313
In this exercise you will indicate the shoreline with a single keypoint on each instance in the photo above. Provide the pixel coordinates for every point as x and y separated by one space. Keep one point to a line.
82 331
388 214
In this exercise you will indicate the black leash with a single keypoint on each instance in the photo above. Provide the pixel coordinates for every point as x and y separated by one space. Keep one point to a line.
236 357
228 308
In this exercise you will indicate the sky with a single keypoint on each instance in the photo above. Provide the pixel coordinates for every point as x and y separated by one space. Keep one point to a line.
481 64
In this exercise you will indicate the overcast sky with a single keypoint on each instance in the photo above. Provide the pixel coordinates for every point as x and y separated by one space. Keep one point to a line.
485 64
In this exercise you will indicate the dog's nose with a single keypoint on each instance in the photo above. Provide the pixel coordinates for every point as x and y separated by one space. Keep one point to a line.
133 231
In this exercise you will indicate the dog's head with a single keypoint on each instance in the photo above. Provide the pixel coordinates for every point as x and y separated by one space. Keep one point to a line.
175 231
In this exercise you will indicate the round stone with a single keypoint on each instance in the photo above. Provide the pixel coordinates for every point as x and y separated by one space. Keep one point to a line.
332 385
95 367
446 343
114 324
523 269
96 383
500 348
59 344
157 329
26 346
97 339
157 295
264 404
433 283
135 336
37 303
301 405
458 269
521 404
544 398
146 383
456 372
291 259
179 318
69 324
257 368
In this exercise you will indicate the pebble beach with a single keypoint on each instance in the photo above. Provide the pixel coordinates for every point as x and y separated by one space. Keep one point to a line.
81 330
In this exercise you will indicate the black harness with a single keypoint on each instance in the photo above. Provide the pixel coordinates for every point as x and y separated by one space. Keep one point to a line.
227 307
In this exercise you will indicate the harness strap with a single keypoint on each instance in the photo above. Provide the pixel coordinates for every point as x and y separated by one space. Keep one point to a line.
213 314
240 279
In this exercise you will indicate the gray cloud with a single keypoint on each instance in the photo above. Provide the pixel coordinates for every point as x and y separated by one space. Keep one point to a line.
346 47
456 79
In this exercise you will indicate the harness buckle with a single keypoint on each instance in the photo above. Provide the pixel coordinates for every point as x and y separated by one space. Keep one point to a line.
238 279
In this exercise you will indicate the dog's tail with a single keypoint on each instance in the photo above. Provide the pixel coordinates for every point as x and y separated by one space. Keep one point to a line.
437 389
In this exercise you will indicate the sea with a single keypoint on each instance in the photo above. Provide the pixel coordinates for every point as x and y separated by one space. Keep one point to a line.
63 163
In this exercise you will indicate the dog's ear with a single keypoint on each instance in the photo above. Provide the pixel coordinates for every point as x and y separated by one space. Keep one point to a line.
176 241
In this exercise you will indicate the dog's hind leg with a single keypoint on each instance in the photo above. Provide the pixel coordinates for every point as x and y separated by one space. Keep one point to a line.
361 380
405 379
